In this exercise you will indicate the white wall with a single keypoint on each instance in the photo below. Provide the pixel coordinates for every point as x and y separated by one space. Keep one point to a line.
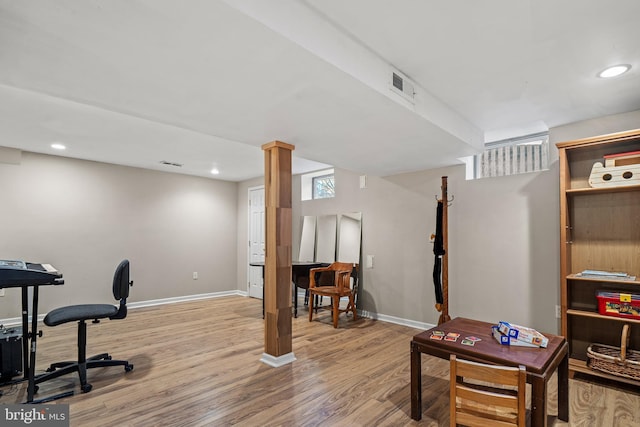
504 249
84 217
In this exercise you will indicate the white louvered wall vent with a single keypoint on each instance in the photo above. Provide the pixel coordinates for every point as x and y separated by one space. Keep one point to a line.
402 86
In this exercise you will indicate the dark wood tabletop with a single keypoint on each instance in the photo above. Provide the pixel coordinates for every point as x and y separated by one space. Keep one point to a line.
488 350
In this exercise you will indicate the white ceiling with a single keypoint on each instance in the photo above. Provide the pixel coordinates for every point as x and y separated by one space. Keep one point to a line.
205 83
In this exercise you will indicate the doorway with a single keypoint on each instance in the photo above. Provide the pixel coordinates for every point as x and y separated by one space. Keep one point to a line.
256 240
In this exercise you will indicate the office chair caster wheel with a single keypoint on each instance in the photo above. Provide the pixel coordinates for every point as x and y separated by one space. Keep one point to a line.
86 388
128 368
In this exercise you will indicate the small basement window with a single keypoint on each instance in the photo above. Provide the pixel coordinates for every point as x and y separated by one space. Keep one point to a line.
510 157
318 185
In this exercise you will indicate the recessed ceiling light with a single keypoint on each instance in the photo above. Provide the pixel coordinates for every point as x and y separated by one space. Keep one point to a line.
614 71
215 171
58 146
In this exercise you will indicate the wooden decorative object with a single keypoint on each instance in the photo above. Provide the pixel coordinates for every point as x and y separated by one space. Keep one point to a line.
615 176
618 170
444 307
278 242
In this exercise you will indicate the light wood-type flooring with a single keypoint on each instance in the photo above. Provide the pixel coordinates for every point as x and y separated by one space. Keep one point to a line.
197 364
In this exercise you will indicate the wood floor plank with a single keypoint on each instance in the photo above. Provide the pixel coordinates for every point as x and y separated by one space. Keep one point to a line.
197 364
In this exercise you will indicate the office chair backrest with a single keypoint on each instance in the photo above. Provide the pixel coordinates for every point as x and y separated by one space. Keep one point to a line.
495 396
121 284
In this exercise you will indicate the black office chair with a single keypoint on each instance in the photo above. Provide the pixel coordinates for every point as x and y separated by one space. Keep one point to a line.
81 313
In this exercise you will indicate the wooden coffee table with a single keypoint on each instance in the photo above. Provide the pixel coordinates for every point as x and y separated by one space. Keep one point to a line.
540 363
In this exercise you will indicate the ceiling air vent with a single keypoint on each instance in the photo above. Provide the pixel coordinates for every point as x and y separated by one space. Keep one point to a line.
164 162
397 81
402 86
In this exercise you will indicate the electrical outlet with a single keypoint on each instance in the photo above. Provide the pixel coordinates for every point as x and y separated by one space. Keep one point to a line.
557 312
195 275
369 261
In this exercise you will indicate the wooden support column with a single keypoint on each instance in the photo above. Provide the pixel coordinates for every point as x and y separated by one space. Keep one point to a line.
277 264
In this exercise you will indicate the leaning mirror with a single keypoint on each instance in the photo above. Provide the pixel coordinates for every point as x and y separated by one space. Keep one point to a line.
349 237
307 239
326 227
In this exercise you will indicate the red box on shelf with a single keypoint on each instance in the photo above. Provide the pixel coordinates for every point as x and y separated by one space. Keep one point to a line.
619 304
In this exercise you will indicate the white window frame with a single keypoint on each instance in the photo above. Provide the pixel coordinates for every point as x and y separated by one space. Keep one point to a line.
306 182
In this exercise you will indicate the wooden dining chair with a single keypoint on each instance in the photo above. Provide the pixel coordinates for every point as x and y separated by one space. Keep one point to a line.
486 395
338 288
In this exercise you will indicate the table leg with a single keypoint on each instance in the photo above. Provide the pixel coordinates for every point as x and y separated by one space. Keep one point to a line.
416 383
263 291
33 334
538 401
25 332
563 389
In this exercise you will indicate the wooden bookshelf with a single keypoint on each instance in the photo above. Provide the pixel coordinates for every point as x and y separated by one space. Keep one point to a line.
599 230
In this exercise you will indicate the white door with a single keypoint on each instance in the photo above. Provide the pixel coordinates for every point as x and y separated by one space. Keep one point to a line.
256 240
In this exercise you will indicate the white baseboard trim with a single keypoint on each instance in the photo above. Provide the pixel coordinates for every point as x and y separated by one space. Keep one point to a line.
150 303
389 319
196 297
12 321
397 320
278 361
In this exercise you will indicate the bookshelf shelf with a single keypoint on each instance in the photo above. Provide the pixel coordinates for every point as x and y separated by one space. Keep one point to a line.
603 190
619 282
595 315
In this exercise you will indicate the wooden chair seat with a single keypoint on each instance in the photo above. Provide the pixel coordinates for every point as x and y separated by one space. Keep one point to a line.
327 290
